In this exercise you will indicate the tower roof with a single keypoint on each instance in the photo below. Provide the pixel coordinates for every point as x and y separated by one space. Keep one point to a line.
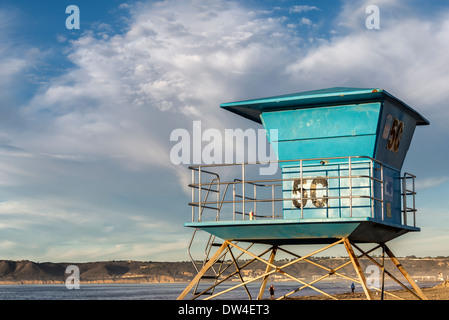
251 109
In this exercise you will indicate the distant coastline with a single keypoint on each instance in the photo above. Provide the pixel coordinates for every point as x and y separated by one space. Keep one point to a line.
116 272
107 281
103 272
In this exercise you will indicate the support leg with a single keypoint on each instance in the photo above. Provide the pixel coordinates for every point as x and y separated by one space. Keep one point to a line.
383 272
405 273
206 267
267 270
237 268
358 269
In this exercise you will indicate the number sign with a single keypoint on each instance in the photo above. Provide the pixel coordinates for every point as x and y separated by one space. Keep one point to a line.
395 135
299 190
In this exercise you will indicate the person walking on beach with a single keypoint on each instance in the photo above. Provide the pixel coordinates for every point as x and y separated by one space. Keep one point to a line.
271 292
352 287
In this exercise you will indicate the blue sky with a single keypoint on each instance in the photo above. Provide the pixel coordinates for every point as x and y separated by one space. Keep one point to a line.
86 115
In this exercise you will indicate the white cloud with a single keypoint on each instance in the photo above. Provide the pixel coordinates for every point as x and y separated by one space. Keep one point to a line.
176 62
422 184
303 8
305 21
8 245
108 118
406 58
98 135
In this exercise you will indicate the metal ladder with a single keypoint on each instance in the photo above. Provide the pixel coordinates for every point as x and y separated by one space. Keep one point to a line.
211 241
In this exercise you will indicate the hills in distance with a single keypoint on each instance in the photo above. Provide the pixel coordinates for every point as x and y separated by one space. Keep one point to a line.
29 272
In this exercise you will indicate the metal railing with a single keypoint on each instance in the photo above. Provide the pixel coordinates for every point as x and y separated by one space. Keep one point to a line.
406 192
350 186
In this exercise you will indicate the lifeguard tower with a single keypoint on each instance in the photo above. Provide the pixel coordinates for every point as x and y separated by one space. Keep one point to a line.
340 152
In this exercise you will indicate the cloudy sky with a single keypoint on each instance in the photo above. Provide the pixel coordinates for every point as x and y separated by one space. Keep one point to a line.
86 114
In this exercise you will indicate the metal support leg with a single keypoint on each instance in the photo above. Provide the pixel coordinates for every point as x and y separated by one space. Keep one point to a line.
383 273
358 269
267 270
206 267
237 268
405 273
386 272
272 268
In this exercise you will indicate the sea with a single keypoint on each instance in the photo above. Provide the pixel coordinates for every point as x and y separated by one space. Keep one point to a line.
165 291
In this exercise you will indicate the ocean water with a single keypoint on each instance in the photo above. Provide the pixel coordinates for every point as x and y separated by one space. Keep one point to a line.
161 291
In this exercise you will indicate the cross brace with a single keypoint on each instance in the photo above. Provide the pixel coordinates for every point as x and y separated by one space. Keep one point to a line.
272 268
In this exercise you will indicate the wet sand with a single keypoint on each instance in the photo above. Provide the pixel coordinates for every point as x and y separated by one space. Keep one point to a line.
439 292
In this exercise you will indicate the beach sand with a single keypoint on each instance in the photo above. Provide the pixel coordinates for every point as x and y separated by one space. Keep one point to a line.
439 292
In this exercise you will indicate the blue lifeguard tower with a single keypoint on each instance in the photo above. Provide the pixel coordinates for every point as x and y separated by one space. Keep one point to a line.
340 152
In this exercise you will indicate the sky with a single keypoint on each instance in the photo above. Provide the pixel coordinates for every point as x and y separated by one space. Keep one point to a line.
86 114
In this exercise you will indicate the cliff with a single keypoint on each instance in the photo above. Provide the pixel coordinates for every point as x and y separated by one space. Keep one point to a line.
29 272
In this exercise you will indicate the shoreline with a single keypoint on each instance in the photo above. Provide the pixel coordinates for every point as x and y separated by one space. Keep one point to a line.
105 281
433 293
438 292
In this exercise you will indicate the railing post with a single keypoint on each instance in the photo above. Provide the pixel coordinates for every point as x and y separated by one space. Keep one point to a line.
382 189
372 187
218 199
301 169
243 190
233 201
350 187
414 208
255 200
199 193
193 195
404 197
